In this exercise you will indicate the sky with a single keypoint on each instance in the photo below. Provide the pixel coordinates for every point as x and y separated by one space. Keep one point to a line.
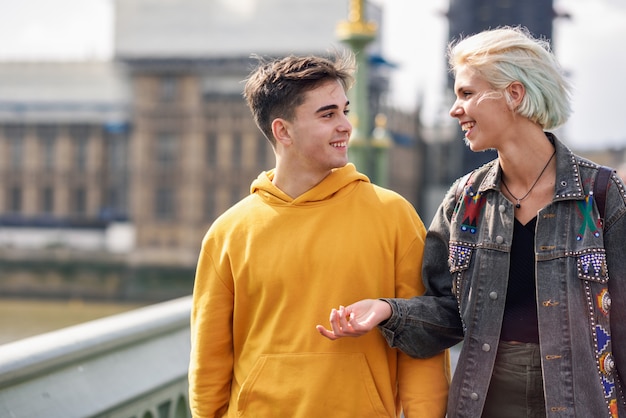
590 46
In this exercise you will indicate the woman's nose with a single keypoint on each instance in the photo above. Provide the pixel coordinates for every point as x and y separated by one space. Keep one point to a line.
455 110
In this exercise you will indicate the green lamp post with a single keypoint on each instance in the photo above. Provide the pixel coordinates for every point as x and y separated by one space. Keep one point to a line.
357 33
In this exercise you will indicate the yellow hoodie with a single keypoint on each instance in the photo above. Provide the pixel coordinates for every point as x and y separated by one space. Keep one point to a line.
270 269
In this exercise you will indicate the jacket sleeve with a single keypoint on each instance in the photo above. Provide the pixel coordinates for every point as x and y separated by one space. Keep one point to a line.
424 326
211 359
615 247
423 383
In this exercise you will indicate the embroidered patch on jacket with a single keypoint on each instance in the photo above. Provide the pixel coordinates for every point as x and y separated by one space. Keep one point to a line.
586 210
592 266
599 303
605 361
459 256
473 203
603 301
613 408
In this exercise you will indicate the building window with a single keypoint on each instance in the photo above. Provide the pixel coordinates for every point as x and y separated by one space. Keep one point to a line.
116 205
16 135
48 153
261 152
47 136
164 205
114 199
80 201
16 153
237 150
15 131
166 151
211 149
117 150
15 200
168 88
80 137
80 154
47 200
235 194
210 204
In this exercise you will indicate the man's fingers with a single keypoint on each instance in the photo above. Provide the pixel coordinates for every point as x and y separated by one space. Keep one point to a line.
343 323
326 333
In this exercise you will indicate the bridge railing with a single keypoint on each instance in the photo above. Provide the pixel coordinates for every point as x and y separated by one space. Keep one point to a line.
130 365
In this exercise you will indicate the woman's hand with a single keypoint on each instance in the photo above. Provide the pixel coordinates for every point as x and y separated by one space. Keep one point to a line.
356 320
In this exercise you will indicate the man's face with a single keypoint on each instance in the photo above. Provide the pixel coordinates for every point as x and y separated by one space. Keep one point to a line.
320 131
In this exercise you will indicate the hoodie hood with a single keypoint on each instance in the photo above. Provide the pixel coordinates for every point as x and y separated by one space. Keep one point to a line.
340 180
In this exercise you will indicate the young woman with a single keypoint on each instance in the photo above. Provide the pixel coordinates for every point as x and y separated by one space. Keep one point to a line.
518 263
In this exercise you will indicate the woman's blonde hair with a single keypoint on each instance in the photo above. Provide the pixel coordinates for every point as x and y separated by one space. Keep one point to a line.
507 54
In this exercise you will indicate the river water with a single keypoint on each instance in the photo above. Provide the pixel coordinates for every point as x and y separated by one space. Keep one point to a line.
21 318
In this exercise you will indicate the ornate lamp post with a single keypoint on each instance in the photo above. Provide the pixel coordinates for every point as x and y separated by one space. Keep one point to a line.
357 33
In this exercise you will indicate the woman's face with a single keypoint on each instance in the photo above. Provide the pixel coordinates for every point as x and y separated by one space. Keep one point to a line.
483 112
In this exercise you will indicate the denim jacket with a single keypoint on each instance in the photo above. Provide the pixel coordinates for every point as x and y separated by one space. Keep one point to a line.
580 269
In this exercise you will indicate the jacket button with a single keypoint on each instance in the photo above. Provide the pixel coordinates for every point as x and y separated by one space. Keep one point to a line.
502 208
474 396
499 239
486 347
493 295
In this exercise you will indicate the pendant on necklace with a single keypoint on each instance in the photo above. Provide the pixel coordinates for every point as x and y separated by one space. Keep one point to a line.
519 199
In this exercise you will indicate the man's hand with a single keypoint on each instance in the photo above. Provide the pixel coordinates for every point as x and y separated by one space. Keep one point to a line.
356 319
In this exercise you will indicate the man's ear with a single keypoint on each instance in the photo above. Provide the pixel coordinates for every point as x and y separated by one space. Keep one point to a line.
516 91
280 130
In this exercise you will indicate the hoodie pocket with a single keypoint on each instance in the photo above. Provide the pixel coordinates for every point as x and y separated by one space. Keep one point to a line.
310 385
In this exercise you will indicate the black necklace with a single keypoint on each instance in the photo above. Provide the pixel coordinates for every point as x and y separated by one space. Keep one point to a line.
519 199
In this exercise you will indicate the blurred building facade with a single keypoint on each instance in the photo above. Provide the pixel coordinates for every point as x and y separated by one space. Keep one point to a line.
145 151
136 157
63 145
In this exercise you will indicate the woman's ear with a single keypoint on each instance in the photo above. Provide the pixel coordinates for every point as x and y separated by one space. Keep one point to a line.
280 130
516 91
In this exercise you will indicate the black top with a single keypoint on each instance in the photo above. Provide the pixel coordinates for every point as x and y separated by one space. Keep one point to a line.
520 313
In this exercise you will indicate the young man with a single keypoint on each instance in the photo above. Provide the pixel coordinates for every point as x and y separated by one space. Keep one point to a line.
311 224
